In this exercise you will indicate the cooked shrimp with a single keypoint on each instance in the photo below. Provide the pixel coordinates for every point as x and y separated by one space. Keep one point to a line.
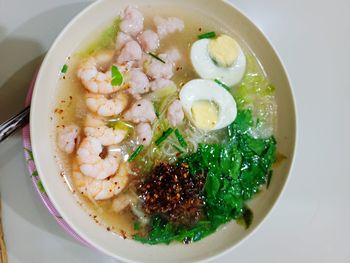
141 62
131 21
93 120
175 113
123 200
95 81
149 40
172 55
68 137
105 135
95 126
92 164
157 69
167 26
106 107
141 111
104 59
96 189
144 133
161 83
93 76
138 82
130 52
121 40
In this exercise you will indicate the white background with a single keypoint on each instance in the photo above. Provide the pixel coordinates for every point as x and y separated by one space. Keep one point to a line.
310 223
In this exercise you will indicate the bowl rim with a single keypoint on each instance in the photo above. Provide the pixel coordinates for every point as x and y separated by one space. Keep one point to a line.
295 139
268 211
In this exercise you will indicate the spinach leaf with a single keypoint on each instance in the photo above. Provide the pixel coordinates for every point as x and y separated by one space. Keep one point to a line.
212 185
235 171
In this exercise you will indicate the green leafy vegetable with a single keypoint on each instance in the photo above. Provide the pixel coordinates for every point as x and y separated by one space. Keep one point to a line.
247 217
269 177
269 90
212 185
236 171
164 232
254 83
177 148
241 125
165 135
180 138
121 125
222 84
156 57
64 68
35 173
161 124
207 35
156 111
137 226
117 77
136 153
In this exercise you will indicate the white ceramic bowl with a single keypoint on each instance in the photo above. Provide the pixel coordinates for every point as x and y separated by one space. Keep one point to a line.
89 20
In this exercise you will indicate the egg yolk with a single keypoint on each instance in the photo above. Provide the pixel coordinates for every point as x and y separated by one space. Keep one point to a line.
224 50
205 114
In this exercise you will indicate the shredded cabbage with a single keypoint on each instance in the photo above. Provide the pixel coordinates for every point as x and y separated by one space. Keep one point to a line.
257 94
105 41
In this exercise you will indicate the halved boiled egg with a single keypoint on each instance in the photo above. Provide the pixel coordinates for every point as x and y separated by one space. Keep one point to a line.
207 104
219 58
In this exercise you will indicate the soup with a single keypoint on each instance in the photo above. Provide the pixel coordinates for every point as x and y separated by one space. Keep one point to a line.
165 126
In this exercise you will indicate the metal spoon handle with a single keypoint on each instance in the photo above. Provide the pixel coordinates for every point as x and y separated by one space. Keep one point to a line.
14 123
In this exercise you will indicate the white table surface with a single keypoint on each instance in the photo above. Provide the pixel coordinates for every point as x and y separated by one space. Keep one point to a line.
310 223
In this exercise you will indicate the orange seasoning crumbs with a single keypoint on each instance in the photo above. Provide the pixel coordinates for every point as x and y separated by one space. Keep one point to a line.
59 111
173 193
123 234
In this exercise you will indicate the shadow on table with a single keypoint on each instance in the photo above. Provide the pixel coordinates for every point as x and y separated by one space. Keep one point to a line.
20 58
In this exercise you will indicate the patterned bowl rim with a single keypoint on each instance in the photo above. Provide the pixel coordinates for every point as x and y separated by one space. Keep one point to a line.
27 147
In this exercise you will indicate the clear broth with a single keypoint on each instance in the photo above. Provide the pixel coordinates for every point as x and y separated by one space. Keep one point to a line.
70 105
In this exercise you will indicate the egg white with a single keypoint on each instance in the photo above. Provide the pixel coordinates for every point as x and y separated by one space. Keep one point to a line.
202 89
207 69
